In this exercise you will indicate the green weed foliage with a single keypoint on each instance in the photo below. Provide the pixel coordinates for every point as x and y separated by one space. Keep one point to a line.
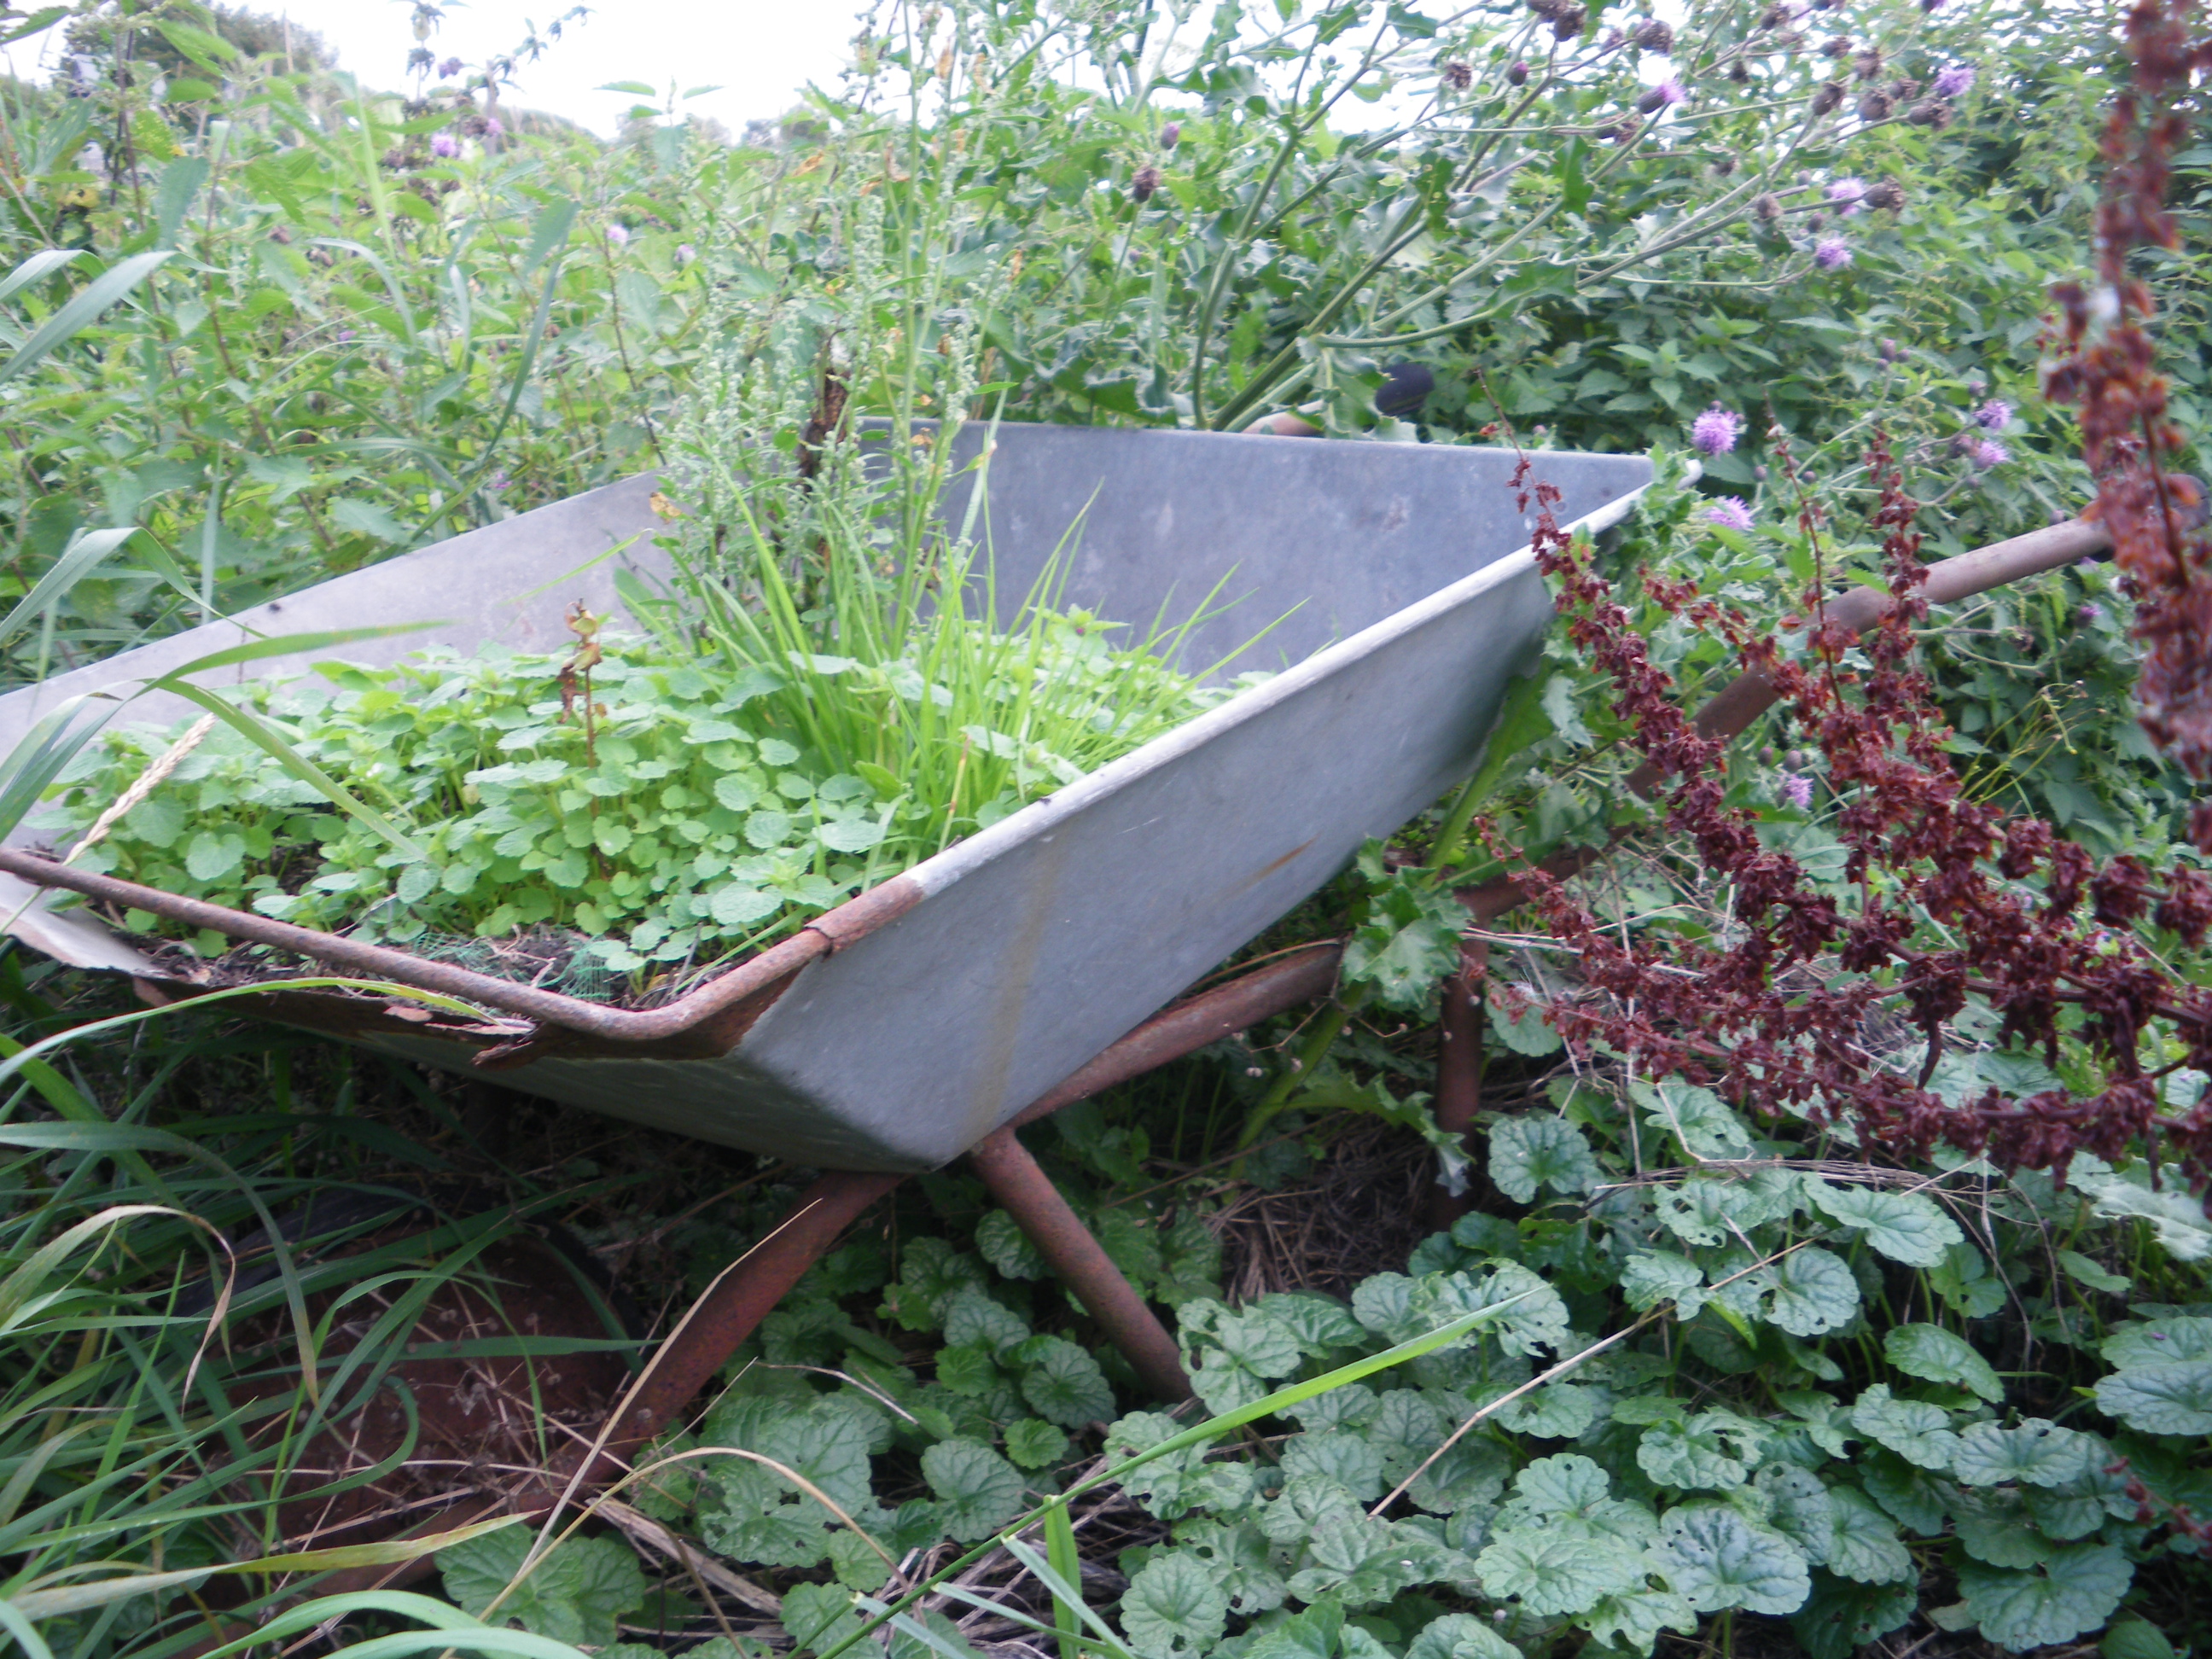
1680 1376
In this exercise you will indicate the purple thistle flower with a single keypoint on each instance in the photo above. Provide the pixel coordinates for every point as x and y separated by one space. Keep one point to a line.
492 128
1831 253
1716 431
498 481
1987 453
2091 611
1730 513
1847 194
1797 790
445 146
344 334
449 69
1669 91
1953 81
685 253
1992 416
618 234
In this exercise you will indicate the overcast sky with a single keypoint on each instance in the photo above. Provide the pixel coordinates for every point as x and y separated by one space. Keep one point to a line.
760 52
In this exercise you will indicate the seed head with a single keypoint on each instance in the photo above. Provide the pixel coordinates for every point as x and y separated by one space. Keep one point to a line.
1816 222
1888 196
1831 253
1766 207
1654 35
1146 181
1826 96
1739 72
1902 90
1625 129
1725 167
1776 16
1837 46
1877 105
1458 75
1931 113
1866 63
1955 80
1568 24
1716 431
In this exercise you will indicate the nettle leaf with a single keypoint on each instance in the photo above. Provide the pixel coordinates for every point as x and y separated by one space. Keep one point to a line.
978 1492
1460 1635
2075 1590
1527 1153
1409 942
2038 1453
1906 1227
1932 1352
2168 1399
575 1594
1651 1277
1715 1450
1064 1383
1173 1608
1718 1559
1918 1433
1555 1572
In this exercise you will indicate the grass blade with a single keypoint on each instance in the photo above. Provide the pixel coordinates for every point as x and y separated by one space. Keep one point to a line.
100 293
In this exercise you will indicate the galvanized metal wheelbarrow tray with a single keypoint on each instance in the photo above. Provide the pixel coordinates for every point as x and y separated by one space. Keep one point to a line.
902 1029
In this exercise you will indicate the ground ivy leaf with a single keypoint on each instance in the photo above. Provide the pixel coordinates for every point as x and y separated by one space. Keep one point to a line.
1718 1559
1993 1527
1806 1293
1552 1572
1800 1509
2158 1342
1063 1383
1913 1496
1938 1355
1714 1450
818 1617
1001 1241
973 1320
575 1594
1346 1458
1173 1608
1839 1618
1862 1542
1460 1635
2038 1453
1906 1227
1527 1153
1634 1618
1235 1554
2168 1399
1033 1443
1918 1432
978 1492
1651 1277
2075 1590
1697 1117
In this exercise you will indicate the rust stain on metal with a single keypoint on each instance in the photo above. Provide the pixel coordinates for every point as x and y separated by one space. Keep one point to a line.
720 1012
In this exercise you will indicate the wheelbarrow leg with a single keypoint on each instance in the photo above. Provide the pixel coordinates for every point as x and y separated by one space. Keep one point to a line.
1028 1195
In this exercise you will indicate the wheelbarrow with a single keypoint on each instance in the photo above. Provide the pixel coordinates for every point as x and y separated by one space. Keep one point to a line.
1027 966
